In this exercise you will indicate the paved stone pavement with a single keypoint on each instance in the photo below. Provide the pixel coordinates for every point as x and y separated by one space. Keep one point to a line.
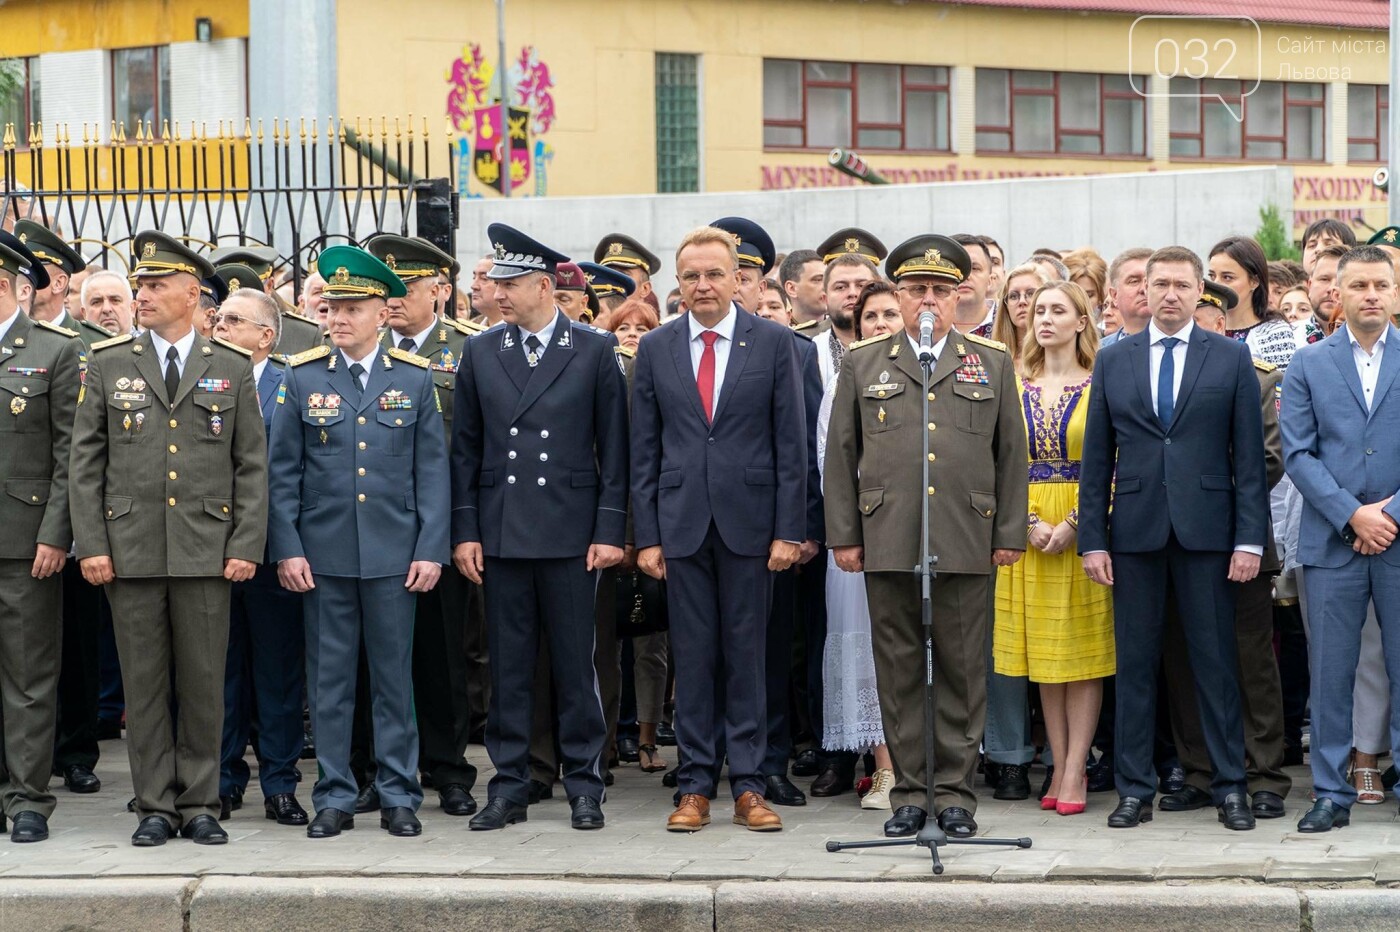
91 839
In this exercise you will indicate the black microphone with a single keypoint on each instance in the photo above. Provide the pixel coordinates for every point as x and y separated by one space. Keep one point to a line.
926 336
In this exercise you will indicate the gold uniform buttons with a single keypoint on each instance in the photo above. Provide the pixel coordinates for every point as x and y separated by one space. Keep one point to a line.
170 502
930 396
126 404
930 490
976 394
988 512
214 408
173 449
361 471
34 498
360 419
173 474
931 457
174 423
362 444
932 426
224 509
360 497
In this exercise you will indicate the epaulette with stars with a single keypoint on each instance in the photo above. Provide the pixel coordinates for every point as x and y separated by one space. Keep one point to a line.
983 341
868 341
55 328
413 359
463 326
1264 366
114 341
316 352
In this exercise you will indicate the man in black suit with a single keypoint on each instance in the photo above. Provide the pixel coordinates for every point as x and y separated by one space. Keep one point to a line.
1175 442
539 504
719 482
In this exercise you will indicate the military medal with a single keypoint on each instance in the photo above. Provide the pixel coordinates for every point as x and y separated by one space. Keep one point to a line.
395 400
881 416
212 385
532 359
315 400
123 384
216 424
140 420
137 384
323 437
17 406
884 375
126 422
333 401
282 393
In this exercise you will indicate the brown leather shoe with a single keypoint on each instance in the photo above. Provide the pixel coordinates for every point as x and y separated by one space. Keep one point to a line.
751 811
691 815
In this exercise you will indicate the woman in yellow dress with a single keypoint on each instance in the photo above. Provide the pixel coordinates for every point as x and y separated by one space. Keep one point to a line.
1052 623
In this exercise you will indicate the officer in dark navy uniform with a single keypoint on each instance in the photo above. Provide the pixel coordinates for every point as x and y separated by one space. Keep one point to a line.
359 524
611 285
539 504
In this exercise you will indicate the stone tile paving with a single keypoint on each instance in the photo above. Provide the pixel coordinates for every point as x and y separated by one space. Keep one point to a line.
90 838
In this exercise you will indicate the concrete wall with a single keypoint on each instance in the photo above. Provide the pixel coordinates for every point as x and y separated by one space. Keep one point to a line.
1109 212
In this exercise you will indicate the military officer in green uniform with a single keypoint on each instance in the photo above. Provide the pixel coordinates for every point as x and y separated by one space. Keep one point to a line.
447 612
623 253
39 385
61 261
169 503
976 501
298 333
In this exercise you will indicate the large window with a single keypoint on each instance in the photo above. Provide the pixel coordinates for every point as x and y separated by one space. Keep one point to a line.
821 104
1281 122
1059 113
677 124
1368 123
141 87
20 101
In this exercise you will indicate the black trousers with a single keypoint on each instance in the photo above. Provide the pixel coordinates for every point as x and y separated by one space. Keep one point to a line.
778 673
527 600
441 699
1207 608
79 672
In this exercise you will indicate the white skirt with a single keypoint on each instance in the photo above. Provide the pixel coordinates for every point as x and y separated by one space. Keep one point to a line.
850 701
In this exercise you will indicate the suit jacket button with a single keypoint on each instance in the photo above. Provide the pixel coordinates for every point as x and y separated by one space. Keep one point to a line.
544 457
1168 441
360 497
510 480
510 455
1369 452
362 444
710 440
514 431
360 471
540 480
544 435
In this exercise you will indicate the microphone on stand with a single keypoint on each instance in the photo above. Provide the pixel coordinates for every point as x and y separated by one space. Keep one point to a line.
926 336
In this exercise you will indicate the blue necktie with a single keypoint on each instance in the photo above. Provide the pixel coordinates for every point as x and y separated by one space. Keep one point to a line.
1166 375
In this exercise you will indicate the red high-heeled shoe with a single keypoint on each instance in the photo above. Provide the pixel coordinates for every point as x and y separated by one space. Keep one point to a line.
1048 802
1064 808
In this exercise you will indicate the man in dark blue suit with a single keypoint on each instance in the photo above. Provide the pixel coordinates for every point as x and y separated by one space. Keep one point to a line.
264 669
719 495
539 505
1175 443
359 476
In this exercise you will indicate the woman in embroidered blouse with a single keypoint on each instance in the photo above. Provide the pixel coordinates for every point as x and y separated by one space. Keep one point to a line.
1238 263
1052 624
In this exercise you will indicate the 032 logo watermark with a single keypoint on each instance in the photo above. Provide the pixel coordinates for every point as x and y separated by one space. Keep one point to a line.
1185 56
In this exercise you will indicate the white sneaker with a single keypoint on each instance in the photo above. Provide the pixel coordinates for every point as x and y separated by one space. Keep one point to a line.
879 796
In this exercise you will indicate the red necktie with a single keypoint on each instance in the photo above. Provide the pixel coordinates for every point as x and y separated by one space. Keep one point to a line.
705 378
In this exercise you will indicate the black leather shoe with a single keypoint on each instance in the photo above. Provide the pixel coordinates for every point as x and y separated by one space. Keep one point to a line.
498 814
131 804
780 791
1049 779
907 820
1171 780
1013 782
80 779
831 782
627 749
1324 816
225 808
1234 813
400 821
665 734
368 800
284 809
204 830
586 813
1131 811
540 790
330 823
805 765
152 831
1101 775
608 779
959 822
456 800
29 826
670 779
990 772
1186 799
1267 805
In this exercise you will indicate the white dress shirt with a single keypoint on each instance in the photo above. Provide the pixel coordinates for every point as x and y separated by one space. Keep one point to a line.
937 347
258 368
182 349
418 341
365 362
1155 338
544 337
1368 365
725 329
7 323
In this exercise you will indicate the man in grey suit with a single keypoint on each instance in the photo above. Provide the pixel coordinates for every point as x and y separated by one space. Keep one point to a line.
1341 446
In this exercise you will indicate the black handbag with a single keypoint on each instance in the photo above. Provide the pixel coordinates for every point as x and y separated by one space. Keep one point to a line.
640 607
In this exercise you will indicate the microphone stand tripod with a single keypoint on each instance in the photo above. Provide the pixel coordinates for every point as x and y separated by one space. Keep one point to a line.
931 836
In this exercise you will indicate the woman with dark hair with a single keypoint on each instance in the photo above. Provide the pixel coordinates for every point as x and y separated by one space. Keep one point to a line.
1239 264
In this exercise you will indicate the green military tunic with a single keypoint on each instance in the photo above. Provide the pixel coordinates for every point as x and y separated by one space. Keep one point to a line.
86 330
299 333
39 383
443 350
976 499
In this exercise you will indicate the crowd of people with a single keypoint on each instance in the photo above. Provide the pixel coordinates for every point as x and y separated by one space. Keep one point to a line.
387 510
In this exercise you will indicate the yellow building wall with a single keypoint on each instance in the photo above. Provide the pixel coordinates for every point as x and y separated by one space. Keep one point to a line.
31 27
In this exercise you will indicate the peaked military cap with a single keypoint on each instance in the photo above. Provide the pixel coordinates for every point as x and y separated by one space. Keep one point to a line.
215 287
155 255
411 258
11 261
852 241
607 282
929 254
623 251
754 244
236 275
1385 236
260 259
29 265
48 246
352 273
517 254
1222 296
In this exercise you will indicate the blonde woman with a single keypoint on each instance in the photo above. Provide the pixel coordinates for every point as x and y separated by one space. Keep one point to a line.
1053 624
1014 306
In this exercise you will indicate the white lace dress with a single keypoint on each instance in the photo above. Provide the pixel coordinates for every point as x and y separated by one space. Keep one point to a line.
850 700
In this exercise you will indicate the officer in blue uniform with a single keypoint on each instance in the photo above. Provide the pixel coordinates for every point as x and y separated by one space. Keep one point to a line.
610 285
539 496
359 481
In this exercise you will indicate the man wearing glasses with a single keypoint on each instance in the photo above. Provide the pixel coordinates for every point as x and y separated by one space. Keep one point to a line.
265 668
976 500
